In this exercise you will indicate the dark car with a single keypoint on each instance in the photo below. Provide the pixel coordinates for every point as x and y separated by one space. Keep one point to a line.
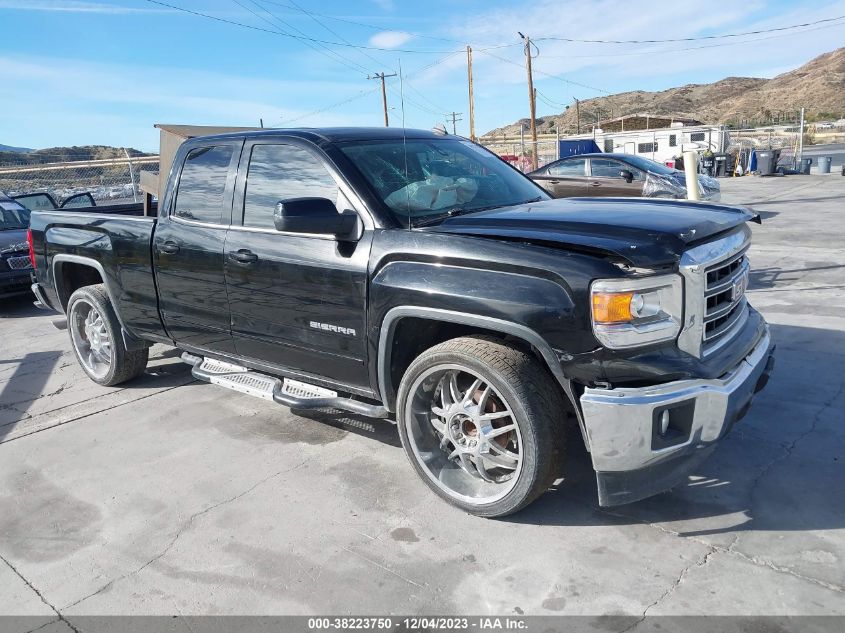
15 263
613 175
43 201
414 276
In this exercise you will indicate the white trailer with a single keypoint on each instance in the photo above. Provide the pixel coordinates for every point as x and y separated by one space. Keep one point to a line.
660 144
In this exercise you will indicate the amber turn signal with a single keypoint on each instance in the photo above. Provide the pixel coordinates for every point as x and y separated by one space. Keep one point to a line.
612 307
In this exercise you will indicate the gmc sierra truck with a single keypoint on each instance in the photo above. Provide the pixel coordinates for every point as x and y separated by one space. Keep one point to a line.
415 276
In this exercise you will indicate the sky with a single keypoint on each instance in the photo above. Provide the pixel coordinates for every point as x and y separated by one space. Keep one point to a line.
85 72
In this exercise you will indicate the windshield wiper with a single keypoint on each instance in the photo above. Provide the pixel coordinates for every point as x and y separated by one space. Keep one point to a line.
461 211
456 211
441 216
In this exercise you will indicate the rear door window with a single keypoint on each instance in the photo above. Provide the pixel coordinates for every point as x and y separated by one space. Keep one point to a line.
573 167
202 184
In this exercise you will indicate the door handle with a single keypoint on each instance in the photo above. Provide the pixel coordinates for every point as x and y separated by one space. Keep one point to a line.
168 248
595 184
554 182
244 256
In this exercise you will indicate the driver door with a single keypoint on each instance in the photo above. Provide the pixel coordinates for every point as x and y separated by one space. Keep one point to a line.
606 179
298 301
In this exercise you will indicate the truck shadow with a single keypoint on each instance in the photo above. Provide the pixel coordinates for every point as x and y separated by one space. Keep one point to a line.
379 430
780 469
764 278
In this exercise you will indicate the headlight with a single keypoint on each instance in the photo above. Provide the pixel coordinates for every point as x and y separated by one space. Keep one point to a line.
634 312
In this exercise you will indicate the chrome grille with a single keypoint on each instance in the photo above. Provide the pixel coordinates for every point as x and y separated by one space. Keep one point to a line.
715 281
724 297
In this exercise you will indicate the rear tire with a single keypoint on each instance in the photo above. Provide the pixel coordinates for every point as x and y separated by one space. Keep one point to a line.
482 424
97 341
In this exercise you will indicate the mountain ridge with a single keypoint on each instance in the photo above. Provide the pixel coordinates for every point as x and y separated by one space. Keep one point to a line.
818 86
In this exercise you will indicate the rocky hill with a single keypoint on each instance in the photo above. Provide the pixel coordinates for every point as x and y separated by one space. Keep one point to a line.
818 86
62 154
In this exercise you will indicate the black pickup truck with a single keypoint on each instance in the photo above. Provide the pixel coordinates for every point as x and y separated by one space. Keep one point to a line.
415 276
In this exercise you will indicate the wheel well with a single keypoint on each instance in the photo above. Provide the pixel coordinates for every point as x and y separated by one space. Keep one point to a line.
71 276
413 335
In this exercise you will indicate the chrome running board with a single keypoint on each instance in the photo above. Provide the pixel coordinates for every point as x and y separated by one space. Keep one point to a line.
290 393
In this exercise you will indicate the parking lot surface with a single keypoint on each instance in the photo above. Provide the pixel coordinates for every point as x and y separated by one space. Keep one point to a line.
170 496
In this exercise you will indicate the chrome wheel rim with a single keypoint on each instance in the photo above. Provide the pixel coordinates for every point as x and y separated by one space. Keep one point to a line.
463 434
90 338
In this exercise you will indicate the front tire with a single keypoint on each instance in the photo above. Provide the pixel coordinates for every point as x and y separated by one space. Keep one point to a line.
482 424
96 338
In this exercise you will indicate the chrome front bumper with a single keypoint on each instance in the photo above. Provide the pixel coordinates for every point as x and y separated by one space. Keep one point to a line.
633 458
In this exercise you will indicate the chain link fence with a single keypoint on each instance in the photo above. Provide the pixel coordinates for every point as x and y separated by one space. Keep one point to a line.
109 181
785 139
517 151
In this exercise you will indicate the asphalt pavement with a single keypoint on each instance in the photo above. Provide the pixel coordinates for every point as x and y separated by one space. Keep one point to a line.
170 496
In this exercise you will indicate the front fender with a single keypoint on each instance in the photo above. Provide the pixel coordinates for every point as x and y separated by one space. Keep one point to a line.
515 304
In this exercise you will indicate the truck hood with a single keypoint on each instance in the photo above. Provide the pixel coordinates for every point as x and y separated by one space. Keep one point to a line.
644 232
13 240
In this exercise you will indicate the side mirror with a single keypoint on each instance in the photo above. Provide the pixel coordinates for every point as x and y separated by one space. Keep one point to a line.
627 175
316 216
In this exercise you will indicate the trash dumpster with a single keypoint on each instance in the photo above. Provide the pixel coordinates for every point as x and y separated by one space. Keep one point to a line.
824 164
766 163
804 165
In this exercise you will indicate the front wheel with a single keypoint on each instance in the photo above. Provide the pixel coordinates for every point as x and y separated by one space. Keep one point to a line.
482 424
97 341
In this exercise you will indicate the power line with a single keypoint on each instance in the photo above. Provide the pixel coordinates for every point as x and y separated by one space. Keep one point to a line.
313 15
690 48
364 24
540 72
549 101
362 93
381 28
691 39
292 36
366 54
323 50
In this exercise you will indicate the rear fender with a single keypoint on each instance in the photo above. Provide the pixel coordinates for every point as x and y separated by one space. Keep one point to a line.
129 340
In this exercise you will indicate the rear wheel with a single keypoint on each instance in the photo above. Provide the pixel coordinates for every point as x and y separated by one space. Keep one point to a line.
479 422
97 341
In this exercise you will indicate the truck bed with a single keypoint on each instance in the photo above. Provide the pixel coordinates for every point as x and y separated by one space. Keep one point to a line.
116 244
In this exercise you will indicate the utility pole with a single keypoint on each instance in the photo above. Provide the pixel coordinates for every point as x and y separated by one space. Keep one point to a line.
578 116
382 76
471 98
801 142
532 102
455 116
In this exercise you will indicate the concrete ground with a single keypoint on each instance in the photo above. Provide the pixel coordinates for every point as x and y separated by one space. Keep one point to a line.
168 496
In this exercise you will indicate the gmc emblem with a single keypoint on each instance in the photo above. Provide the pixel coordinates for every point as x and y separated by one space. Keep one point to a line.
738 288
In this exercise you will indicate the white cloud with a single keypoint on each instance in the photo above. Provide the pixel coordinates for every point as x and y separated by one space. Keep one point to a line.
390 39
72 6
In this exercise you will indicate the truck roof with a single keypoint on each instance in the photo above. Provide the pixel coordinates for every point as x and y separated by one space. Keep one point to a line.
335 134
